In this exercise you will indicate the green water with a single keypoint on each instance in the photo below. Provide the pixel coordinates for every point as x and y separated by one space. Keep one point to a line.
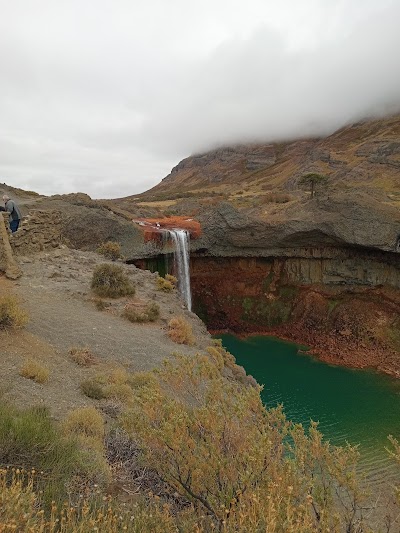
357 406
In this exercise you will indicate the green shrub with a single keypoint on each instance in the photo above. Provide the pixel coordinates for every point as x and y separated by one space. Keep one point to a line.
111 280
11 315
110 249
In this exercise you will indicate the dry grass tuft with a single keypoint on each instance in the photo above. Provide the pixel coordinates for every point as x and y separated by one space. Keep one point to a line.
121 392
111 281
180 331
115 386
94 388
164 284
82 356
140 379
11 315
23 511
31 369
86 422
149 314
118 376
110 249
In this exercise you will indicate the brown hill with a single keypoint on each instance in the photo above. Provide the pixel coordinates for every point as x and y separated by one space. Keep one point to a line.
362 157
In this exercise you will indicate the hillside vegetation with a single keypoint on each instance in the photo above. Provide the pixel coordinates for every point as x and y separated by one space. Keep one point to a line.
187 446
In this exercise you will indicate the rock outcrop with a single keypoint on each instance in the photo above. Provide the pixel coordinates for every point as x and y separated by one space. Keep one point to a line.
39 231
8 264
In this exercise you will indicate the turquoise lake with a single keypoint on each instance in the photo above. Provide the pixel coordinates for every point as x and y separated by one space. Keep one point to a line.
357 406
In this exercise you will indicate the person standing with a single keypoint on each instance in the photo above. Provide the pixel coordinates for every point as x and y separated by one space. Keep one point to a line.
15 214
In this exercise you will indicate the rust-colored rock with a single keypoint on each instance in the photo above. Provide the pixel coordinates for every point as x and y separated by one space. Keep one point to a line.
151 226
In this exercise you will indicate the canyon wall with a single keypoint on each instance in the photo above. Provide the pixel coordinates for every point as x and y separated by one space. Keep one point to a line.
343 304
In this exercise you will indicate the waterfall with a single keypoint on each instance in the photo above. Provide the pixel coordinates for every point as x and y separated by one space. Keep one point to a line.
181 240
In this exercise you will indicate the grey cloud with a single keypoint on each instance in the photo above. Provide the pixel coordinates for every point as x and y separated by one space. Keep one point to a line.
106 97
258 90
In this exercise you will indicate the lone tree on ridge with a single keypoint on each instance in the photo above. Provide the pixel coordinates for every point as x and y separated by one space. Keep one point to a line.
311 180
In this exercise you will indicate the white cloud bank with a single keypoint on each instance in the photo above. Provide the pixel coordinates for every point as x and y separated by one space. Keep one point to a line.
105 96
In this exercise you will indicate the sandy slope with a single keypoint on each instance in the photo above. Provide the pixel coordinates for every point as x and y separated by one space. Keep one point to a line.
55 290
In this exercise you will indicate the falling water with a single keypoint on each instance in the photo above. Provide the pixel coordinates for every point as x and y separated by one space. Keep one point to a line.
180 238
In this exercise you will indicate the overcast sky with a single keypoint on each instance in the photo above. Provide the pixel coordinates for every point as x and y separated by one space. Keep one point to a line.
106 96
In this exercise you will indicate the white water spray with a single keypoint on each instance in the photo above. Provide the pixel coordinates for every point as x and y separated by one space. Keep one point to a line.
181 240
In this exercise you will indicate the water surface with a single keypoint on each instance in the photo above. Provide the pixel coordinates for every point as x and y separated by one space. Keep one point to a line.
357 406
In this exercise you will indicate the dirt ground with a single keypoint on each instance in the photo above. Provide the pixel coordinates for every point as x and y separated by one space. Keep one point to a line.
55 291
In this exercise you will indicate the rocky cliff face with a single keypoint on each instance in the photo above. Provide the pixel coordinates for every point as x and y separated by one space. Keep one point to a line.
249 199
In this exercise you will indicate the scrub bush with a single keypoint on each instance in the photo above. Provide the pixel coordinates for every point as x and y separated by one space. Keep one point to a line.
172 279
243 467
111 281
110 250
164 284
93 388
180 331
114 386
100 304
149 314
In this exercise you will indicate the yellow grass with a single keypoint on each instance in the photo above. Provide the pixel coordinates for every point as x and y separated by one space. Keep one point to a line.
31 369
86 422
180 331
11 315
